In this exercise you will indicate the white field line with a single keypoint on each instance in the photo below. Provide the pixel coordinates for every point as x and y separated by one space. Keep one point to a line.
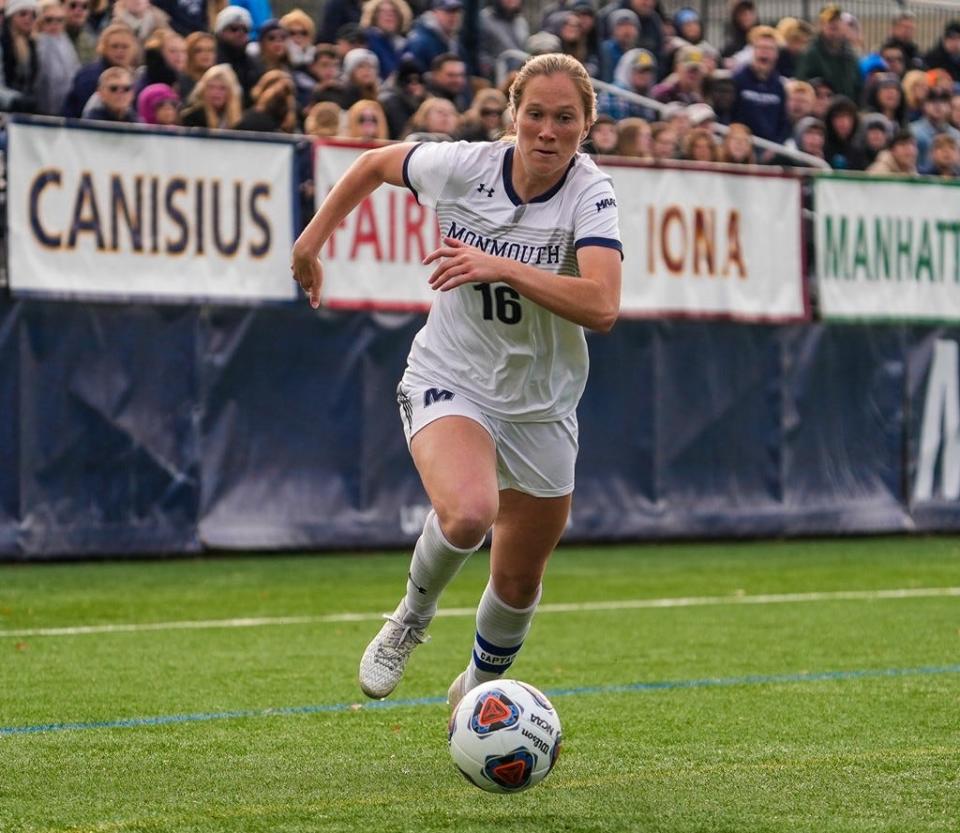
571 607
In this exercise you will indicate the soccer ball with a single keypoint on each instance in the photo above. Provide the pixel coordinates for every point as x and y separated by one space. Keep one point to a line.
504 736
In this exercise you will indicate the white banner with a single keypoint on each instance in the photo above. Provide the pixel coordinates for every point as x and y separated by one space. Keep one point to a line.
888 249
114 214
695 243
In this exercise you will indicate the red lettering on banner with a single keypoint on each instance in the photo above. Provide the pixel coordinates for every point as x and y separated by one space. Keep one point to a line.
392 225
365 233
692 243
703 239
414 216
673 263
734 252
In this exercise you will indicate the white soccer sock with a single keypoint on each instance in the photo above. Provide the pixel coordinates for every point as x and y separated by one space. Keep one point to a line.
434 564
501 630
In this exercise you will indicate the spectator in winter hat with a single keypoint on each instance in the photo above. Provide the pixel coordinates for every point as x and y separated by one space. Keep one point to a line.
720 92
360 77
843 122
876 131
436 32
158 104
701 115
883 95
830 56
141 16
232 29
636 72
946 54
686 83
20 67
259 11
809 136
624 34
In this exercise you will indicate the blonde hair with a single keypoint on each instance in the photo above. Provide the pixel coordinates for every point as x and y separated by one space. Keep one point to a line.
795 85
555 63
352 127
758 32
699 134
419 119
296 16
628 134
193 41
233 109
911 81
736 129
369 13
119 29
323 119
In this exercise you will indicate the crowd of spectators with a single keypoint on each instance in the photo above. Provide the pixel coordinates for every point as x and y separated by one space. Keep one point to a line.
393 69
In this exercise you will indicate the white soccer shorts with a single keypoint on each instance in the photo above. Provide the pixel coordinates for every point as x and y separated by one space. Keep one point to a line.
536 458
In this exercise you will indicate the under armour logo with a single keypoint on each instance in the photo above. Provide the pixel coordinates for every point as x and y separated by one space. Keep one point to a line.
483 188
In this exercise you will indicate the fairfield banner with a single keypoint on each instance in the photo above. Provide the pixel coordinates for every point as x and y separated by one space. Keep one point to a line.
888 248
695 243
101 213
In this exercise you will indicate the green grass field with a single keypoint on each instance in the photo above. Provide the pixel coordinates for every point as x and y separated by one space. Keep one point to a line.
747 708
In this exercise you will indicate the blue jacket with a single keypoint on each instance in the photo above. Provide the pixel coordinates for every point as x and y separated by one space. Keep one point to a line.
84 85
186 16
761 104
426 43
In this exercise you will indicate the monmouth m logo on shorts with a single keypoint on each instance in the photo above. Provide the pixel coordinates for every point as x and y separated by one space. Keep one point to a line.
436 395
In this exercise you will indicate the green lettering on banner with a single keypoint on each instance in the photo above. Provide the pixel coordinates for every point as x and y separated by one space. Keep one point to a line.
861 253
904 247
834 249
925 256
954 229
883 243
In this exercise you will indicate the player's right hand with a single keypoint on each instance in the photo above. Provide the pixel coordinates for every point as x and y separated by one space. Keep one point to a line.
308 272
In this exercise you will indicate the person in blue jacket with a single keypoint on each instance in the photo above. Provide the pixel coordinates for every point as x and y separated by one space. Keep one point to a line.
761 95
436 33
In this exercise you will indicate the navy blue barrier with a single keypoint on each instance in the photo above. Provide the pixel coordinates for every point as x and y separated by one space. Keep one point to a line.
137 428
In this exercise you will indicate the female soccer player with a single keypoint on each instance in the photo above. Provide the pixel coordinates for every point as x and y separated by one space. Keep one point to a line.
531 255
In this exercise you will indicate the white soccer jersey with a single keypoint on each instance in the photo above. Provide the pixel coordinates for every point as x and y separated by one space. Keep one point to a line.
512 357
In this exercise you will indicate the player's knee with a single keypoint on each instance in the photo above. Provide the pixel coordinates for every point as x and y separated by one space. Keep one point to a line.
518 590
466 522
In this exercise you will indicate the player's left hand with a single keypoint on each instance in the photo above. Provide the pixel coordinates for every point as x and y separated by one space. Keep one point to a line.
462 264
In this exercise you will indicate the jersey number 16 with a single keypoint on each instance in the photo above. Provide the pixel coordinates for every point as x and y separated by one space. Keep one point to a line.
504 299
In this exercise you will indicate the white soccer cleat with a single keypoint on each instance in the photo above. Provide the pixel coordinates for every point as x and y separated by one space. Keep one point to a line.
382 664
456 692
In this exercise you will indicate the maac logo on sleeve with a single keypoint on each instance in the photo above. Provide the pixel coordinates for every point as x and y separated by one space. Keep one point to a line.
435 395
606 202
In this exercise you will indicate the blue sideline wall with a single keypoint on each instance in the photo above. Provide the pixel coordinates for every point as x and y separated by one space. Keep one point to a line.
145 429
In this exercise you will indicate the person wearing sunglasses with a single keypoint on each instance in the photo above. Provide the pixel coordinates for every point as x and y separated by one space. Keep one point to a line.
271 49
117 47
365 122
56 56
115 93
485 120
302 31
19 65
81 34
232 30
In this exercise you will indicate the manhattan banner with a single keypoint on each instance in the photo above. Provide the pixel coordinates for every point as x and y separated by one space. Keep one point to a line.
888 249
695 243
104 213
